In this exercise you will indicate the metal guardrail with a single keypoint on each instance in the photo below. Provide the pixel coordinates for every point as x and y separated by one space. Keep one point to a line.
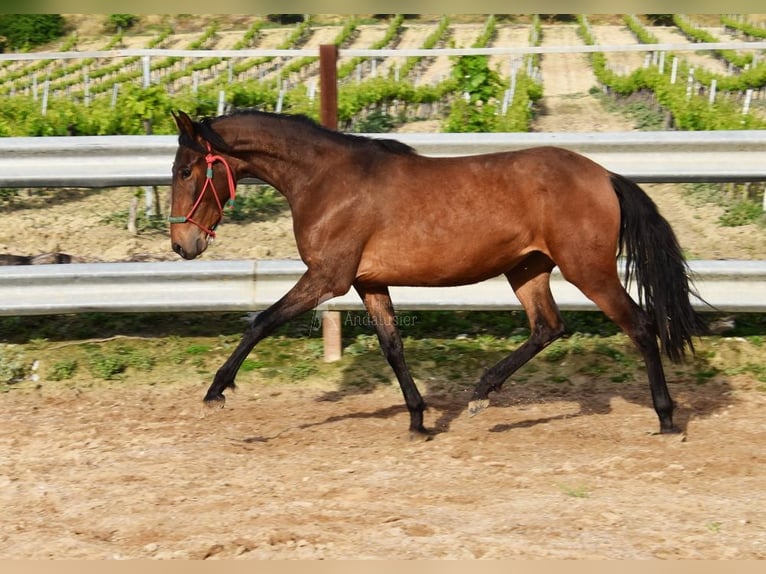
187 286
113 161
731 286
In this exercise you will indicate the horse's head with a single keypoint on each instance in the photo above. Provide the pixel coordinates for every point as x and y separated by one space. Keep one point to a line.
202 184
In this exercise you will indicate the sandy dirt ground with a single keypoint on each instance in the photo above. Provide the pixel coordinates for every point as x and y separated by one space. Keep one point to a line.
132 471
129 470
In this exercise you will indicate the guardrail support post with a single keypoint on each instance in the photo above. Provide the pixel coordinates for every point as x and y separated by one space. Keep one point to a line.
328 93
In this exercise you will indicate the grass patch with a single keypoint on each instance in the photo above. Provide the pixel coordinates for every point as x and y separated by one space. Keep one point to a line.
742 212
574 491
756 370
250 365
646 114
197 349
714 526
8 194
447 352
303 370
108 364
106 367
13 364
62 370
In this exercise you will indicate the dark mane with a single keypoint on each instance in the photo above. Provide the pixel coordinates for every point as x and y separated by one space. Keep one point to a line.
206 130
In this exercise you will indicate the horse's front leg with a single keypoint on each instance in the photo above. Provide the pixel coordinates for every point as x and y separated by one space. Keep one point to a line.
312 289
378 303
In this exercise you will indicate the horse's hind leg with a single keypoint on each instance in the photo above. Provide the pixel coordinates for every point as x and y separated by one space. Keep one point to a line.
531 283
606 291
381 310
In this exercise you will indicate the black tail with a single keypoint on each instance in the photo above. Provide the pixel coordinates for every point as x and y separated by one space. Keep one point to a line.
653 256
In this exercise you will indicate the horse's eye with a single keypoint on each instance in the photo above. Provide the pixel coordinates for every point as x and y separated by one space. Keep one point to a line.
186 173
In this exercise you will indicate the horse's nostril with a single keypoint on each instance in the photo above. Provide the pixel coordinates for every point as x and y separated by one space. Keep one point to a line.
184 253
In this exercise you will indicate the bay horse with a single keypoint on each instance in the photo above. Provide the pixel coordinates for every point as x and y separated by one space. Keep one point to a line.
370 213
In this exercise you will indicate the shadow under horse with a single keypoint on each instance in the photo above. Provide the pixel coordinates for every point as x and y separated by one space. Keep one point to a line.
372 213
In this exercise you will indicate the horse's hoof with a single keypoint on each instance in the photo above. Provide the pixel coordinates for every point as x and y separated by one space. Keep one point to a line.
476 406
673 431
421 435
216 401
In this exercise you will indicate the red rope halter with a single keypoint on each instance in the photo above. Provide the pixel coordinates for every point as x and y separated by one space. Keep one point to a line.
210 158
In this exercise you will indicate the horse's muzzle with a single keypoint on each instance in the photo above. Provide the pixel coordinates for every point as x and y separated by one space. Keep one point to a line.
199 246
182 252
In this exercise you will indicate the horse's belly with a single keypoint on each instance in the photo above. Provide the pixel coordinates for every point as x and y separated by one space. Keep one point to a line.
437 265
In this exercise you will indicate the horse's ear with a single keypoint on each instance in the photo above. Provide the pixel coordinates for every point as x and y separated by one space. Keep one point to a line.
185 124
188 131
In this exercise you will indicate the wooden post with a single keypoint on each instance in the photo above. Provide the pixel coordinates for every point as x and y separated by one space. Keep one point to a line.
328 85
332 336
328 101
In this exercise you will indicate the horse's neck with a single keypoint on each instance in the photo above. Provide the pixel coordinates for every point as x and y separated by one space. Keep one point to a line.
286 156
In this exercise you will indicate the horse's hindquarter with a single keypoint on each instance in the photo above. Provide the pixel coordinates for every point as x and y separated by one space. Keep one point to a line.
447 221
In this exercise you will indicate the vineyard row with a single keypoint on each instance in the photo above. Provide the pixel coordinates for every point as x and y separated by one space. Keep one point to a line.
135 95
